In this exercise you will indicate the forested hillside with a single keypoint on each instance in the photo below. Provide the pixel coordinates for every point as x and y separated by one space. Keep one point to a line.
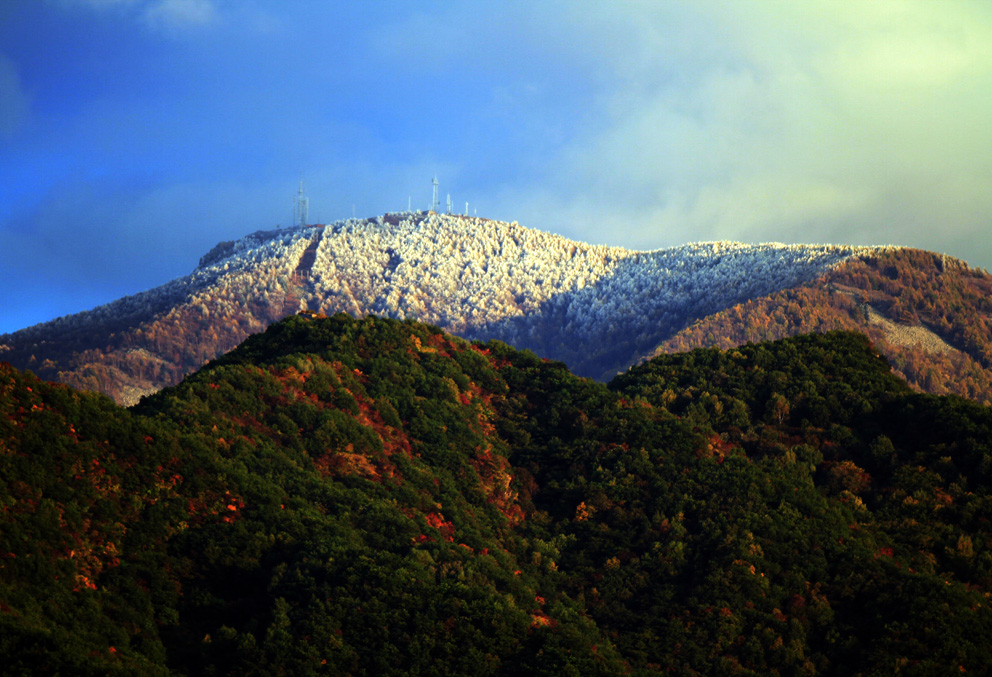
929 314
368 496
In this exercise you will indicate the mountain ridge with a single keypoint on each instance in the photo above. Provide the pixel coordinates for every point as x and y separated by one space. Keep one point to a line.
598 308
929 314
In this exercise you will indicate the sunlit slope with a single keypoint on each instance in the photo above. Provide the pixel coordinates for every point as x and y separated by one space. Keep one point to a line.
590 306
597 308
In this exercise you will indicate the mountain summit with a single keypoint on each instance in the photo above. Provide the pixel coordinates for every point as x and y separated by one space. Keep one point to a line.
599 309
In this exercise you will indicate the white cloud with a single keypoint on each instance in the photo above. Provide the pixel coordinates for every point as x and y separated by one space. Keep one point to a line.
99 5
804 121
168 15
175 15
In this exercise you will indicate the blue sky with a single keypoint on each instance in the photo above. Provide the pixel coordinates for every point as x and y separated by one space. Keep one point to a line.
135 134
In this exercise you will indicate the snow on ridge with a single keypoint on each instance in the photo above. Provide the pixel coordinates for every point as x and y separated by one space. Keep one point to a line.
139 305
251 257
463 273
649 295
453 271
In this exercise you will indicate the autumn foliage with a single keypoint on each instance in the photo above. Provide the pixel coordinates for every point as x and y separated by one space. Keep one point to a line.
368 496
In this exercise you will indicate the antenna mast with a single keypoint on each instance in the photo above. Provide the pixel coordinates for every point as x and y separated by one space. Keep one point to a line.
448 211
435 205
301 207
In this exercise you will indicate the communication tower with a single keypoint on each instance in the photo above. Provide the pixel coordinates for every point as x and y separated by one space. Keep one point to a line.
435 205
301 207
448 211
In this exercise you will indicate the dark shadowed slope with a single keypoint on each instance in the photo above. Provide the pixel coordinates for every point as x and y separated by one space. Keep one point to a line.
342 496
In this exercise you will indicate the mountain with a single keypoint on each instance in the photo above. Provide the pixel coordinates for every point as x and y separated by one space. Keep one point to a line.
931 316
369 496
599 309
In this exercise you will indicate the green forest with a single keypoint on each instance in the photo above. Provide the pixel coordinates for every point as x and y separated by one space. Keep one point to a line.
348 496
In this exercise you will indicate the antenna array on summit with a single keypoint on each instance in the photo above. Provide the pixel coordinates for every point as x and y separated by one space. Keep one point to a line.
301 208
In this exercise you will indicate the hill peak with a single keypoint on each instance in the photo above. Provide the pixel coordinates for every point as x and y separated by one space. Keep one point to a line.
598 308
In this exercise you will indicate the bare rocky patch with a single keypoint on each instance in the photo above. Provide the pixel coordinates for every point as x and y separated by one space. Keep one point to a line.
909 336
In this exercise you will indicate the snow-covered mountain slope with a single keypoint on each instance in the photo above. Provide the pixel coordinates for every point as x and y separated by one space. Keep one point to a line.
467 274
595 307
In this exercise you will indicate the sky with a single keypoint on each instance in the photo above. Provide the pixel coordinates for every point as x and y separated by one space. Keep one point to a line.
136 134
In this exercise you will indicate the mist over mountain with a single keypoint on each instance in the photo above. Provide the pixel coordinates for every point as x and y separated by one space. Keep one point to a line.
599 309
